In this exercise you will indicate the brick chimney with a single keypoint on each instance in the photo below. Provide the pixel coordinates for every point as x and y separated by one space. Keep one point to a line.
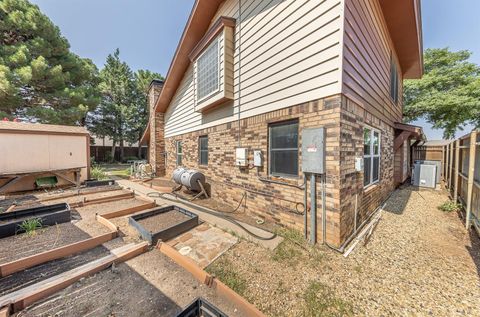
157 137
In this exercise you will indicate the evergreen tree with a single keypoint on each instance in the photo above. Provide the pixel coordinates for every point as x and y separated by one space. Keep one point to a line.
40 78
118 90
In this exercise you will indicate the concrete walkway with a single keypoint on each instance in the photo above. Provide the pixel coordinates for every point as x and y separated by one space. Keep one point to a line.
226 225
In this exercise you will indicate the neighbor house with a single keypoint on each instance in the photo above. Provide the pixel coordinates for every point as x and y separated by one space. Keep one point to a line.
254 74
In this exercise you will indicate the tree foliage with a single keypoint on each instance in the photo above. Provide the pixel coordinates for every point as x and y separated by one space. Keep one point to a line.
123 111
448 95
39 77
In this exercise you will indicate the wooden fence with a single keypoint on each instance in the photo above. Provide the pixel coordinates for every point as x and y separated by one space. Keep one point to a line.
461 173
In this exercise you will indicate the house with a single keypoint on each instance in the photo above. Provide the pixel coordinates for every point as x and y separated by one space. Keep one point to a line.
255 74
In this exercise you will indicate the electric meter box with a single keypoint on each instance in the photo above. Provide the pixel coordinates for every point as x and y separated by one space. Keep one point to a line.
241 156
257 158
313 150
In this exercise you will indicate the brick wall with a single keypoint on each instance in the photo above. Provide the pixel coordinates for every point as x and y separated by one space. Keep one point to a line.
344 122
157 141
352 192
275 202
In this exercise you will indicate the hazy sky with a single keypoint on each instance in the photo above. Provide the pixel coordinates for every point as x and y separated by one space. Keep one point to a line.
147 31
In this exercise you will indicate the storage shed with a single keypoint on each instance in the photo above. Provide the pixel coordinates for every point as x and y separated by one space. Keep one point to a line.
30 152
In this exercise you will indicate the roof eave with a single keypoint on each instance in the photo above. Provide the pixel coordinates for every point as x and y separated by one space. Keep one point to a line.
200 18
404 23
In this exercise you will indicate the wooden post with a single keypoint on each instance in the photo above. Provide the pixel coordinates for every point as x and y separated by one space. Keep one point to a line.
448 166
450 182
447 158
455 178
471 175
443 162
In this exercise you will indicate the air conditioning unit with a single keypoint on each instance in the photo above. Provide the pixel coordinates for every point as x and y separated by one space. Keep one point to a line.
424 175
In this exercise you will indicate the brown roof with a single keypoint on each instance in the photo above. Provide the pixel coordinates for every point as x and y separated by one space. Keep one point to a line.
21 127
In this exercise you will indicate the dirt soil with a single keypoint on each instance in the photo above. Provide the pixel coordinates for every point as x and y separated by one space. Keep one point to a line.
148 285
420 261
22 245
164 220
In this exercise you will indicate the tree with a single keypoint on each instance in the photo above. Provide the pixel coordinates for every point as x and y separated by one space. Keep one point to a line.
118 90
40 78
139 114
448 95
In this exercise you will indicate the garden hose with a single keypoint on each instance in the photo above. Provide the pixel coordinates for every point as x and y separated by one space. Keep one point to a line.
211 212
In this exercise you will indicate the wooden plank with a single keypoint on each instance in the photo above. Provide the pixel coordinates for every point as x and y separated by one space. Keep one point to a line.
5 311
101 200
455 177
128 211
80 194
57 253
236 299
220 288
185 262
471 176
22 298
106 223
450 168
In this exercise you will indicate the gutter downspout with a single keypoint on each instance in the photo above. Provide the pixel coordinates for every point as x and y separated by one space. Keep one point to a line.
305 194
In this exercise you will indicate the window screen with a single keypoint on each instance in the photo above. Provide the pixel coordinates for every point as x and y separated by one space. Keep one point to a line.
179 153
283 148
208 71
371 156
203 150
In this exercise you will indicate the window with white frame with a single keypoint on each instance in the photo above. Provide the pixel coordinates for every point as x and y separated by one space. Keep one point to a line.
208 74
371 156
203 150
179 153
283 148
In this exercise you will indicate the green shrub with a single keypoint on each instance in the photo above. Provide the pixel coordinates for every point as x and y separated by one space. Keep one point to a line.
450 206
98 173
31 226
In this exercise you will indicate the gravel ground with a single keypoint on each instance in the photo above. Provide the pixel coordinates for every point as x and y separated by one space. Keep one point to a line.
420 261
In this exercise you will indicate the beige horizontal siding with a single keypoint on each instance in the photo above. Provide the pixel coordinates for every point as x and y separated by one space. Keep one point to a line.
291 54
366 60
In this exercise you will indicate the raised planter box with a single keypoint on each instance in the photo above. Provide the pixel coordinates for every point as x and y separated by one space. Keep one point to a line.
95 183
165 233
50 215
201 308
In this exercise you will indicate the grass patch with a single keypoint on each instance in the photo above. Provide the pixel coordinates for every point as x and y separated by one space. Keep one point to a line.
287 252
224 270
450 206
98 173
320 301
31 226
125 173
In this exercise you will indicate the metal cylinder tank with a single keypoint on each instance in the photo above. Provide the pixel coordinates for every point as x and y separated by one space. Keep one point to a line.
177 175
190 179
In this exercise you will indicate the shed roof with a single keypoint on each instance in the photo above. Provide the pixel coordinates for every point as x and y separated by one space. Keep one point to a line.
37 128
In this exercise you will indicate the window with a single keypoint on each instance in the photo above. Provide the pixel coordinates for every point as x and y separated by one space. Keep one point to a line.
371 156
179 153
203 150
283 149
393 80
208 65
